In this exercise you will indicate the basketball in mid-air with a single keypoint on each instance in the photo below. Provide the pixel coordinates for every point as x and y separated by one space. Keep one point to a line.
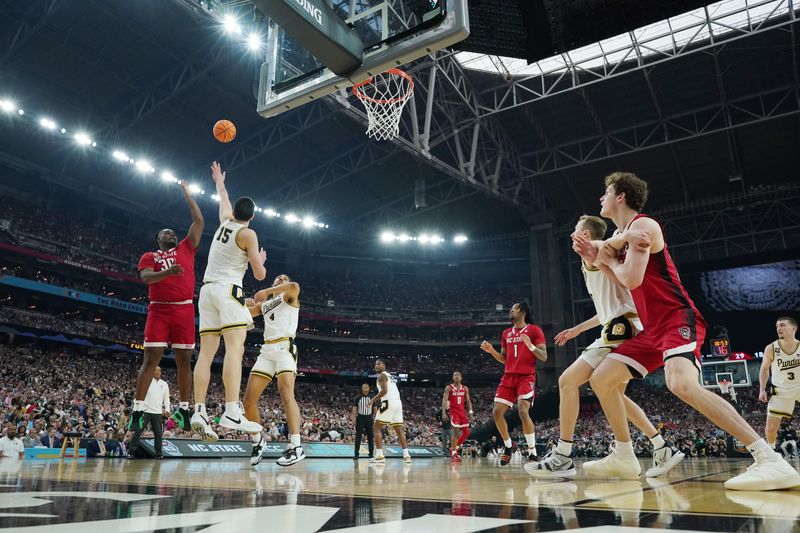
224 131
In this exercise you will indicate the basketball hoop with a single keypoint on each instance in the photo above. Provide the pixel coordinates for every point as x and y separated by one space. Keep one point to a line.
384 97
724 387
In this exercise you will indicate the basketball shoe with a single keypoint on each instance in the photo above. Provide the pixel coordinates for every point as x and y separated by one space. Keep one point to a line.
201 426
236 421
614 464
505 457
135 423
664 460
291 456
773 473
258 447
183 418
554 465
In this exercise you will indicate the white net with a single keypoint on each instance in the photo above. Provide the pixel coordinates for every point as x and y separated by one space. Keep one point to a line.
724 386
384 97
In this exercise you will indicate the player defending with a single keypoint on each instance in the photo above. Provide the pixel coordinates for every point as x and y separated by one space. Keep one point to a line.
782 360
390 412
520 347
280 306
169 275
620 321
673 333
456 399
223 311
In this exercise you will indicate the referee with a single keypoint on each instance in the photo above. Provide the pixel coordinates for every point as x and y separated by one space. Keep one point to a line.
363 419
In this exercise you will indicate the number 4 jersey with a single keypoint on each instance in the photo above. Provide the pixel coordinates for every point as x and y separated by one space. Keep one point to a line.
172 289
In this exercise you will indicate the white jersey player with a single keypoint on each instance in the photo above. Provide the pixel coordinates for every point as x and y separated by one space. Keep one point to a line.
222 308
390 412
781 363
617 315
280 307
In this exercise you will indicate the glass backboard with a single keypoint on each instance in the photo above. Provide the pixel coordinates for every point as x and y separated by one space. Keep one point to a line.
394 32
736 372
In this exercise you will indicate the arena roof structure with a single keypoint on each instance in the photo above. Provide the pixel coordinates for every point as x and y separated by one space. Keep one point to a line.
702 104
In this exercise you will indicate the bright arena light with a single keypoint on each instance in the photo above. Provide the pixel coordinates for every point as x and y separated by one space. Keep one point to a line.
8 106
195 187
21 111
167 176
436 239
309 222
404 237
424 239
83 139
120 156
215 197
230 24
460 239
254 42
47 123
271 213
291 218
143 165
387 236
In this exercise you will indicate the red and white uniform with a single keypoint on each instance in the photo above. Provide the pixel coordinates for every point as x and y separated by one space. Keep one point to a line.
519 379
672 323
170 316
456 399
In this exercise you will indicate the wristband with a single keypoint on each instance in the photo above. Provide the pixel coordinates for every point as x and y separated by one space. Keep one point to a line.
470 411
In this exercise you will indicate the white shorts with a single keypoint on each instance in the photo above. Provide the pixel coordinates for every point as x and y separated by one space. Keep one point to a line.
222 309
276 358
782 401
390 412
614 333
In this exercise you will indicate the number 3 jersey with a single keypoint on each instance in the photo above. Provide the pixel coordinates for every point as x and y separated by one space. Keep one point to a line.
280 318
172 289
785 367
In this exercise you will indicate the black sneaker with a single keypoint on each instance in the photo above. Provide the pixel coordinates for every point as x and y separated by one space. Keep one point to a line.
505 457
291 456
136 421
256 456
183 417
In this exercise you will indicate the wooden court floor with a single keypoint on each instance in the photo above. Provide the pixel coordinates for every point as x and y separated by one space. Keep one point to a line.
430 495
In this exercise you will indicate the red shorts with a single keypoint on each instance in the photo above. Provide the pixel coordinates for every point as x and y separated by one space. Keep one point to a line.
170 325
515 387
648 350
458 419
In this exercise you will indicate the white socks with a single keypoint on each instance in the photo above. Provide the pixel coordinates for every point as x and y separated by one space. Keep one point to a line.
624 448
761 451
256 437
657 441
405 452
232 408
564 447
530 439
507 443
294 440
378 452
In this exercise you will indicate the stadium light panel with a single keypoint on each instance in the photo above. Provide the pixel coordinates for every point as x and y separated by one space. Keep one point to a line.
460 239
21 112
309 223
47 123
143 165
167 176
387 236
8 106
231 25
83 139
195 188
424 239
404 237
254 42
291 218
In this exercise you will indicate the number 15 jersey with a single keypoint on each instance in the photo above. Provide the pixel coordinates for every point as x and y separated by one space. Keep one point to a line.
172 289
519 359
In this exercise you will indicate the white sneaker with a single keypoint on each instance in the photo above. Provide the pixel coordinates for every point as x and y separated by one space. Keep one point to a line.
614 465
554 465
291 456
407 459
664 460
766 475
258 447
238 422
379 459
201 426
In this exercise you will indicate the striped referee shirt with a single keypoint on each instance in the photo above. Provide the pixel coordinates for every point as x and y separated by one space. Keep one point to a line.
363 405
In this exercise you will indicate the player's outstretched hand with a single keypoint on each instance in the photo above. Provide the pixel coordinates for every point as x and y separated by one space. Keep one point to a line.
486 346
175 270
762 396
566 335
217 174
262 255
584 248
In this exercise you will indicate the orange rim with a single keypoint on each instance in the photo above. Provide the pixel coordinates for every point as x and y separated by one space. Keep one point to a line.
397 72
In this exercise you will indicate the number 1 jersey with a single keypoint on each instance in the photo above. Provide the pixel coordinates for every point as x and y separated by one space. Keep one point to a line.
519 359
173 289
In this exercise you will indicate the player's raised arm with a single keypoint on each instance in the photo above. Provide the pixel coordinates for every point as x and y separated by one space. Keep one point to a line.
225 208
198 222
290 288
763 373
247 240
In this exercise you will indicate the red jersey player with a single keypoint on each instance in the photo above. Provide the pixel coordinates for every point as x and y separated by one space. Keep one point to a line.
456 399
169 275
520 346
673 333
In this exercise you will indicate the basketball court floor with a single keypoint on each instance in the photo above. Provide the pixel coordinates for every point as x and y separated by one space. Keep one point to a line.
429 495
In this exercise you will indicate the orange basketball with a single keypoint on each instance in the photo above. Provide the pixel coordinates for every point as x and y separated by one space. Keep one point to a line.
224 131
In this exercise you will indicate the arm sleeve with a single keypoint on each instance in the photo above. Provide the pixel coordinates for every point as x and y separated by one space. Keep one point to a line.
147 261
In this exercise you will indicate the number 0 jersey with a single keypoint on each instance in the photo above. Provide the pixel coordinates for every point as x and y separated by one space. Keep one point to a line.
227 262
457 398
785 367
172 289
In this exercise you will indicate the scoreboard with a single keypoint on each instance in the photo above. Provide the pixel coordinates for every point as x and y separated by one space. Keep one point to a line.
720 347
